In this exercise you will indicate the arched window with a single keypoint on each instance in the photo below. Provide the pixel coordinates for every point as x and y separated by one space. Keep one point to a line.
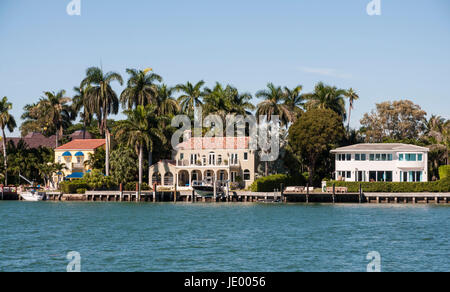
246 175
156 178
168 179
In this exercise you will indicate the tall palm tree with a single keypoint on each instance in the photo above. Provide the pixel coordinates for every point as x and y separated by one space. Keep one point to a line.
139 130
7 121
191 97
167 105
217 101
103 100
80 102
295 100
57 111
352 97
273 104
141 88
240 103
325 96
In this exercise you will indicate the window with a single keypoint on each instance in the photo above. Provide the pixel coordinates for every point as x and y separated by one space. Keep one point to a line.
380 176
245 156
378 157
181 156
349 157
361 177
219 159
419 157
389 176
357 157
233 176
194 158
383 157
246 175
415 176
405 177
400 157
411 157
372 157
234 159
363 157
390 157
349 174
212 158
372 176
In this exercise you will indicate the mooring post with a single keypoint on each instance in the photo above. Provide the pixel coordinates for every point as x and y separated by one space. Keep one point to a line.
193 196
307 193
154 192
175 192
334 193
282 193
360 193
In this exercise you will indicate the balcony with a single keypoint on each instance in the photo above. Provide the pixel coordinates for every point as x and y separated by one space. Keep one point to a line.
79 166
217 164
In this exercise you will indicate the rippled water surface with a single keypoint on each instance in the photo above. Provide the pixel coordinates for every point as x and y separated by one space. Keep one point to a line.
222 237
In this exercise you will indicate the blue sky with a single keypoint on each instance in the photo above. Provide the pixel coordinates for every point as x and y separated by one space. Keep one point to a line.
404 53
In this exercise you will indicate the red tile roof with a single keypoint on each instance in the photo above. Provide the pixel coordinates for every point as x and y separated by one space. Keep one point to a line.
215 143
88 144
35 140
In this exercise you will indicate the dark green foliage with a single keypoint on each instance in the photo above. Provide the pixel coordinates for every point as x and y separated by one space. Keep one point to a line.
131 186
395 187
91 181
270 183
72 187
444 172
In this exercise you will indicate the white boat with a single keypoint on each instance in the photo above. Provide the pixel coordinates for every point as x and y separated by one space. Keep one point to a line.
206 188
32 196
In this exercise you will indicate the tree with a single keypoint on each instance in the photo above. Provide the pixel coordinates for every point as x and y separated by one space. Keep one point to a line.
396 120
294 100
352 97
58 112
7 121
314 134
167 105
273 105
123 164
141 88
191 96
97 159
327 97
80 102
138 130
102 99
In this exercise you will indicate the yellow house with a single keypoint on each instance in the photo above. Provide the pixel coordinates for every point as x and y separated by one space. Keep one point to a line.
74 154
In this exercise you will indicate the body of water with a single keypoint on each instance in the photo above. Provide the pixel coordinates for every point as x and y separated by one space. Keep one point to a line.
222 237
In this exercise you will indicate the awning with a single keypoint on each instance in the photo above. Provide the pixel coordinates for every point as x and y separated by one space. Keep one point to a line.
67 154
75 175
79 154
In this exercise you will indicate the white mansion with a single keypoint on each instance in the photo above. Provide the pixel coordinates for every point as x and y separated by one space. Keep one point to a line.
382 163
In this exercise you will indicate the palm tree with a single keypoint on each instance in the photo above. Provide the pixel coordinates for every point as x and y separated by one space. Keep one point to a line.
7 121
240 102
58 169
294 100
217 101
191 97
352 97
325 96
273 104
167 105
103 100
57 111
139 130
81 102
141 88
437 132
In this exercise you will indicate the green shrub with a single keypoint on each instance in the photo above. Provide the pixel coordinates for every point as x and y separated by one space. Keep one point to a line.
131 186
270 183
442 186
72 187
444 172
81 191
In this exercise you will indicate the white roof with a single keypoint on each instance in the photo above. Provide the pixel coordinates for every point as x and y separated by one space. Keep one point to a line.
395 147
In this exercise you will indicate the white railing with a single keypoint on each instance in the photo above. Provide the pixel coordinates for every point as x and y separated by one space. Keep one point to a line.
187 163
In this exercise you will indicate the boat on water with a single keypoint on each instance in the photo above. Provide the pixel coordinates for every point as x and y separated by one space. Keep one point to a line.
32 195
206 188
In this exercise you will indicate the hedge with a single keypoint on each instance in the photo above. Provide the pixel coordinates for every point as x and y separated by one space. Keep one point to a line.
444 172
442 186
72 187
270 183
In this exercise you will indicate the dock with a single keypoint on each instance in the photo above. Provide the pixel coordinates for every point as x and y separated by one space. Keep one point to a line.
253 197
